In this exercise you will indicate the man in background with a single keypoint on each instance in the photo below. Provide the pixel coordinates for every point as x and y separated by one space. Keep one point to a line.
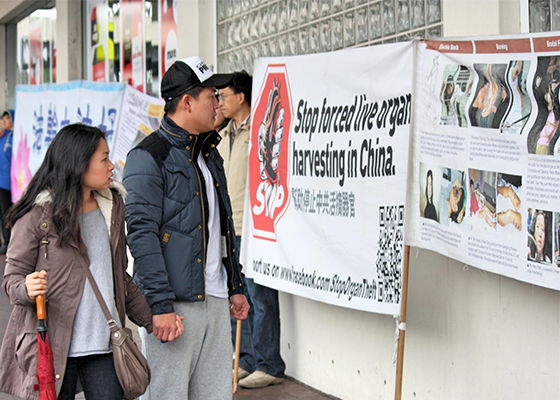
260 362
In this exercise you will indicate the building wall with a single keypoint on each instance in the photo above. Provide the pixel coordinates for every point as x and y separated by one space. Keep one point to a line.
470 335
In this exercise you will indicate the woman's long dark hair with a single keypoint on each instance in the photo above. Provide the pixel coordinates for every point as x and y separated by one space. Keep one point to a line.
460 206
430 199
60 174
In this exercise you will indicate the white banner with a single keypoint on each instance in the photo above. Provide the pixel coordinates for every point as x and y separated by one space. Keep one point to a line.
484 188
324 211
42 110
140 116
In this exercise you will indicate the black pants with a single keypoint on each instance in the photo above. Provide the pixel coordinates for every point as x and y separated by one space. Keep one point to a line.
5 204
97 376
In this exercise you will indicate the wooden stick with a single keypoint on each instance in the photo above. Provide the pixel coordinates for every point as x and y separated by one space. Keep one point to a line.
236 362
400 355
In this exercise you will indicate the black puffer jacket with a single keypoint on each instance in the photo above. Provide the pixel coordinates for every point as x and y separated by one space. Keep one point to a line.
167 216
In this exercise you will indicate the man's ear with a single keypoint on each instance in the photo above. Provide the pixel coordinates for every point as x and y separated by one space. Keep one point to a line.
242 98
186 102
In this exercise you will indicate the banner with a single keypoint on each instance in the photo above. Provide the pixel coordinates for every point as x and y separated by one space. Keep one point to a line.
42 110
485 173
328 163
140 116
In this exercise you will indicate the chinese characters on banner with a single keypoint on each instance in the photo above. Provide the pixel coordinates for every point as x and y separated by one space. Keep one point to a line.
125 114
49 108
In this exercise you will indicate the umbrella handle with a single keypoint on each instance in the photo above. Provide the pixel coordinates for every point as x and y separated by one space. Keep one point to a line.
41 309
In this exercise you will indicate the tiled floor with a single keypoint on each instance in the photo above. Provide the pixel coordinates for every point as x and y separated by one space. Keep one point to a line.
288 390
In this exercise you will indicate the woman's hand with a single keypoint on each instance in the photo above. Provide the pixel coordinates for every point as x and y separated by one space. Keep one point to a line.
168 327
180 327
36 284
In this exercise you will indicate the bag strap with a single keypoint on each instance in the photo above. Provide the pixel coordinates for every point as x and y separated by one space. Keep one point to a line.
110 320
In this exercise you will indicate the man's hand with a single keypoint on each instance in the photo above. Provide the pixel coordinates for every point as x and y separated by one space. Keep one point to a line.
238 306
168 327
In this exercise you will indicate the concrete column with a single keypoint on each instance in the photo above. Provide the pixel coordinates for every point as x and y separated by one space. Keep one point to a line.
196 29
475 18
10 80
510 16
68 40
483 17
3 103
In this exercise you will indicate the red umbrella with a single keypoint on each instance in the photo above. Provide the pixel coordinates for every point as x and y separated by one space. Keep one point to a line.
45 362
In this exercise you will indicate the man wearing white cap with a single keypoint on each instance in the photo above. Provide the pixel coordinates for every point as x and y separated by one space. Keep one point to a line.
182 237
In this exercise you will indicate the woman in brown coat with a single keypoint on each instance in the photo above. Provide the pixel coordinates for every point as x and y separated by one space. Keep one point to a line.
67 209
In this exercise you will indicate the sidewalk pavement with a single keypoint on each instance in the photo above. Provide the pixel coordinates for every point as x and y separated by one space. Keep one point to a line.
290 389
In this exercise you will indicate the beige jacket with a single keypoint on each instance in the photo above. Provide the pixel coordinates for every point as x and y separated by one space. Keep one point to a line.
34 246
236 163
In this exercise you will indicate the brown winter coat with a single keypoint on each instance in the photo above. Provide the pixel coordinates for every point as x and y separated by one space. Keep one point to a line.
236 161
33 247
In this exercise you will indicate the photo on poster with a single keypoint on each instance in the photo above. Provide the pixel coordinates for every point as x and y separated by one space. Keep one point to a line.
520 106
491 99
539 241
430 186
557 239
544 133
455 91
482 200
453 197
510 193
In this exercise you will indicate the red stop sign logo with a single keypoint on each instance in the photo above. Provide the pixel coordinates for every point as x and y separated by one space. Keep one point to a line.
268 157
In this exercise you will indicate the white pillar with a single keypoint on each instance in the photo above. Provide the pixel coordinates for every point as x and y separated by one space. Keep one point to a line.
9 80
3 99
68 40
196 29
482 17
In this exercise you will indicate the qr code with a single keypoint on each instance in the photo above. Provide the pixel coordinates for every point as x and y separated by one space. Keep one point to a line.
390 253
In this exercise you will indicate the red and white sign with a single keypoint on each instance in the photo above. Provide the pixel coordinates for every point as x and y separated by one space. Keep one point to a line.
268 159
